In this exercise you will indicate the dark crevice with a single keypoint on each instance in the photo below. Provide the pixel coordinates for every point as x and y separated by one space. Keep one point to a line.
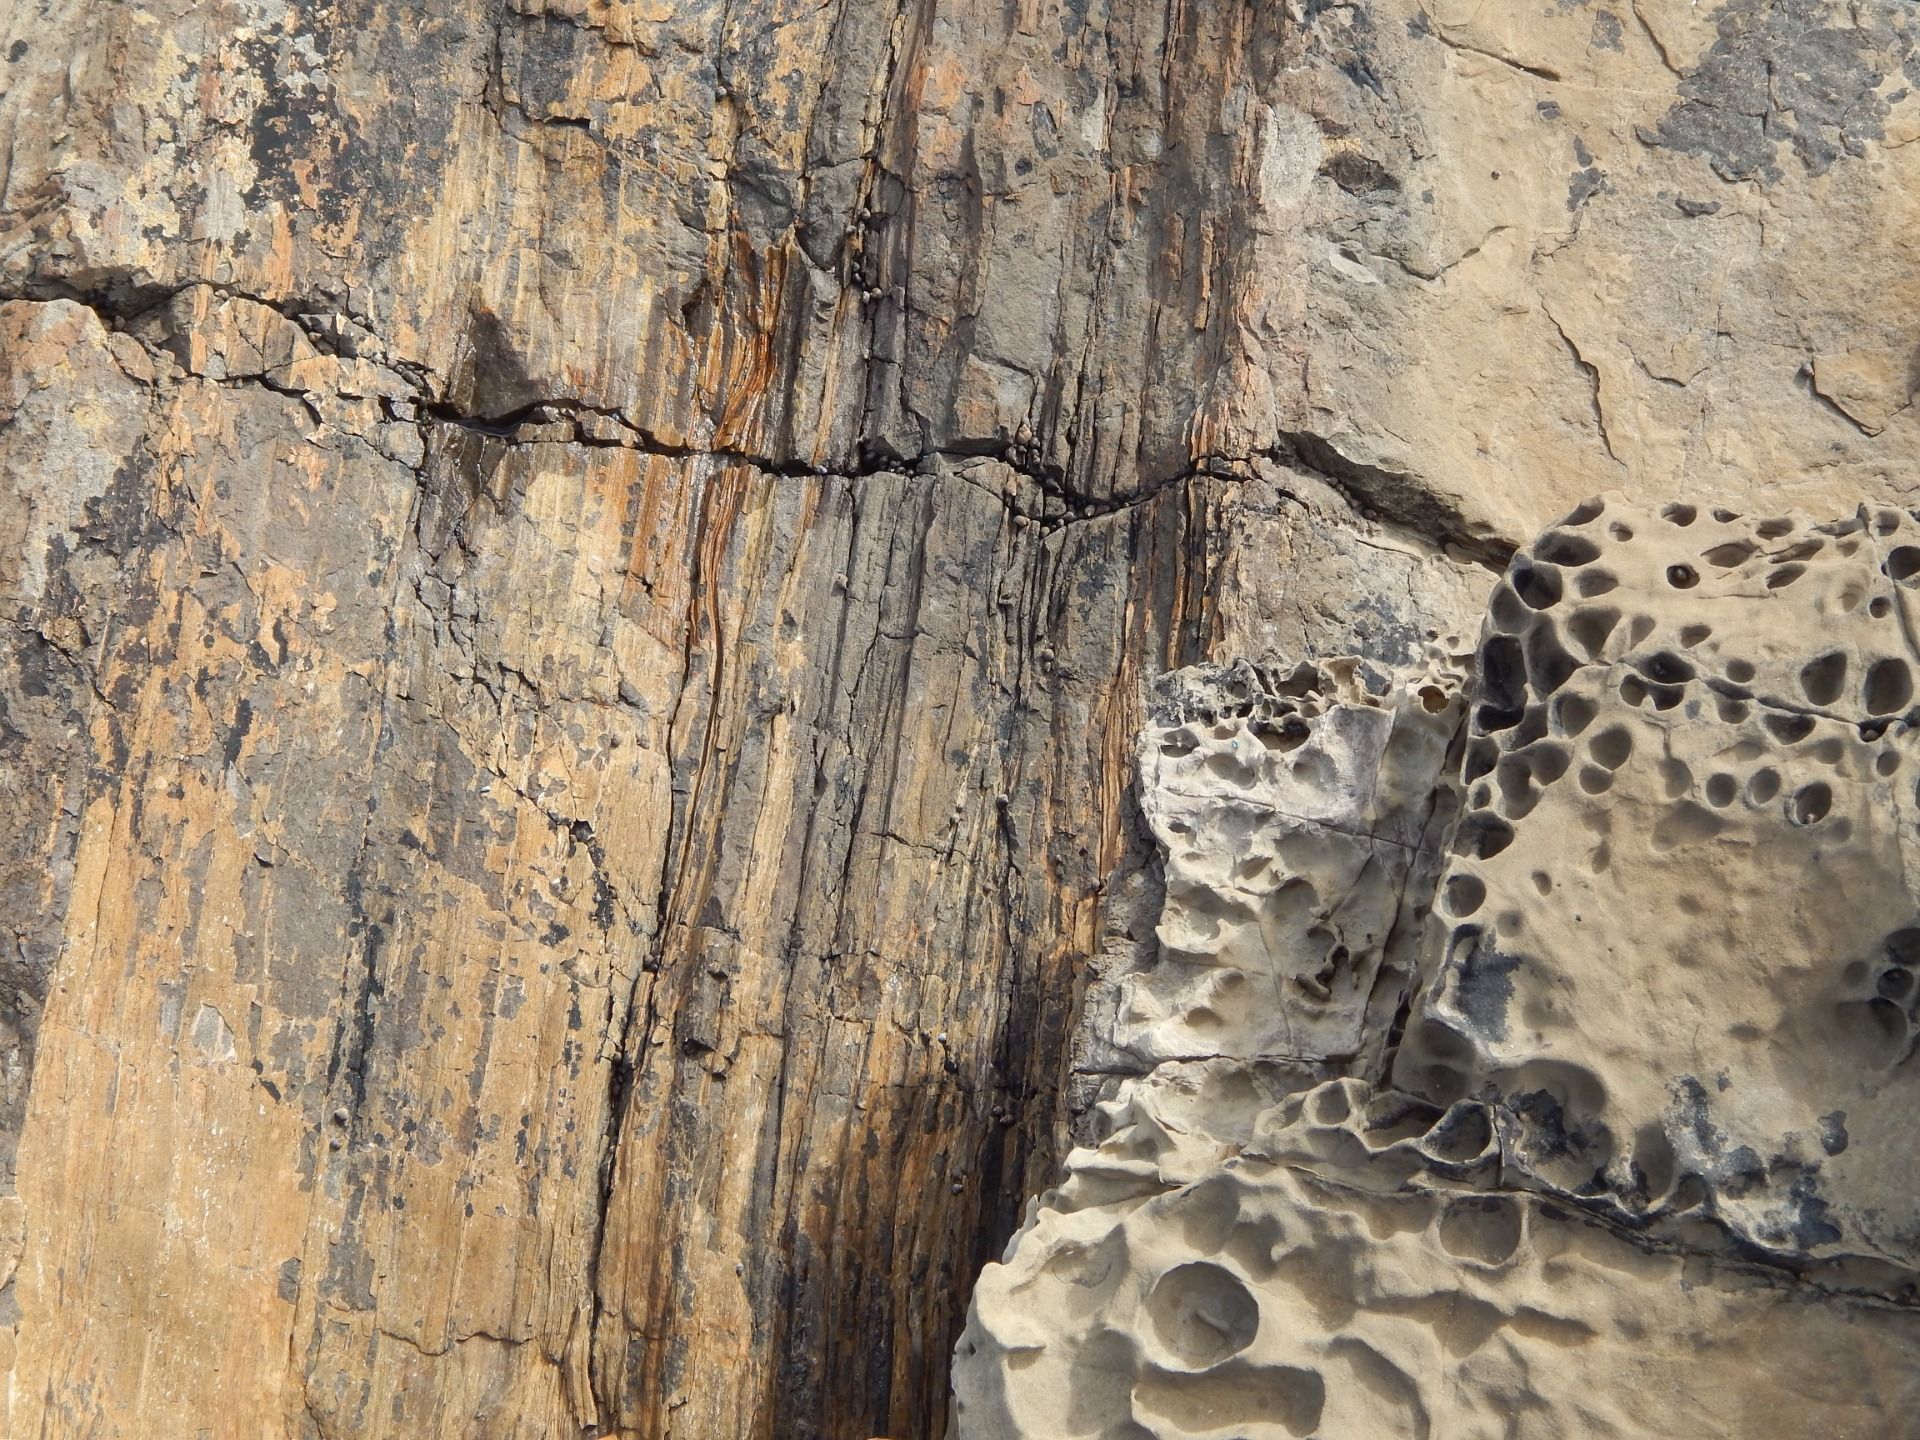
1396 496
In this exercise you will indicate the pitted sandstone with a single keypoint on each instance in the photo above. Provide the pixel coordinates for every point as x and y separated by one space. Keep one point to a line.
1639 1162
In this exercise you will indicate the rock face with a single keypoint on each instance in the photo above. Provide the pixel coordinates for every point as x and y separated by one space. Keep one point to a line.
1632 1139
583 577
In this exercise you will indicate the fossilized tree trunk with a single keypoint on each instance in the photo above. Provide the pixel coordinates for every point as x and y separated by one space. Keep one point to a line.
580 577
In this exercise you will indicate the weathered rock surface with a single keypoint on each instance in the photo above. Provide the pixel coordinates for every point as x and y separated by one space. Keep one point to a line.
536 535
1627 1152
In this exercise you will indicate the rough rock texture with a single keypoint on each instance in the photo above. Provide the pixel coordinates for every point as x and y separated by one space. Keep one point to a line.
535 535
1683 909
1629 1151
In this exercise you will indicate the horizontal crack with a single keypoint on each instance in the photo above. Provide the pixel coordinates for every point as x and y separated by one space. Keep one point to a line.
1398 497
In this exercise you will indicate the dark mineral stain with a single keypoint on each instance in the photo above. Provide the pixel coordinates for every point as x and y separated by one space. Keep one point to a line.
1792 71
1483 986
1833 1132
236 737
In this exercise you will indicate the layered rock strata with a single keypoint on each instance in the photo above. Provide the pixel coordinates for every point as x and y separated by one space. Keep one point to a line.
1626 1151
516 509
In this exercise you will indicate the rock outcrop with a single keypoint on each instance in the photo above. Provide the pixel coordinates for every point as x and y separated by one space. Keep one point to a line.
582 577
1628 1150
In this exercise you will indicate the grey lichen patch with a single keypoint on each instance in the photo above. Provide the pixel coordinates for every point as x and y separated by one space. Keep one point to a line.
1800 73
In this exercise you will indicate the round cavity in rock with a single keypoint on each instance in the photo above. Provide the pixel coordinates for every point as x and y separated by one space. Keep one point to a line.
1886 1025
1612 746
1586 512
1721 789
1329 1105
1573 713
1503 673
1507 611
1774 528
1880 607
1784 576
1464 895
1203 1313
1822 679
1730 555
1740 671
1889 687
1462 1134
1549 666
1283 735
1676 777
1589 583
1903 563
1731 711
1478 760
1594 780
1622 533
1482 1229
1542 882
1903 947
1682 577
1531 727
1666 668
1692 635
1538 587
1763 786
1789 729
1886 763
1810 803
1548 761
1558 548
1895 984
1682 515
1632 691
1491 719
1591 627
1484 836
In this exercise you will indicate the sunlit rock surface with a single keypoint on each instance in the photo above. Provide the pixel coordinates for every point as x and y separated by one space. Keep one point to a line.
1628 1150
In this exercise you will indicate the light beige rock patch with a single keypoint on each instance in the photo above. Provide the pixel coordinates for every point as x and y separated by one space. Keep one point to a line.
1632 1154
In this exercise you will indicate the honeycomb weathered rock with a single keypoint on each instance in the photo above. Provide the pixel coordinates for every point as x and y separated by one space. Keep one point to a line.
1641 1162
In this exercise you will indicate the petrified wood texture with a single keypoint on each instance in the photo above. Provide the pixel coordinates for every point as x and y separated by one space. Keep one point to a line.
536 538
